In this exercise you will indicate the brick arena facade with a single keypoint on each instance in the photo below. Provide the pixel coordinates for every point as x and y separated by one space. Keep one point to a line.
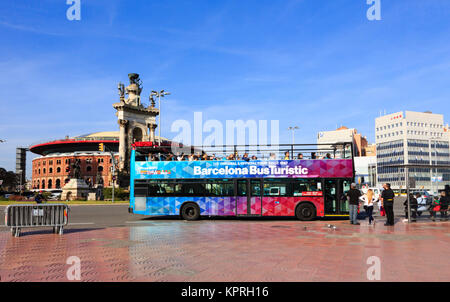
49 172
53 168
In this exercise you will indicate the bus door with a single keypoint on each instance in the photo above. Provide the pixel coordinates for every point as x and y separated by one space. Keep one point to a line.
335 202
248 199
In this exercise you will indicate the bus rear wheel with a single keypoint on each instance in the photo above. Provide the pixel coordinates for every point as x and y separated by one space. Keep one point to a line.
305 212
190 212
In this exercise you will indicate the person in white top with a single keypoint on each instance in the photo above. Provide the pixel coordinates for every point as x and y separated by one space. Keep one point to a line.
369 200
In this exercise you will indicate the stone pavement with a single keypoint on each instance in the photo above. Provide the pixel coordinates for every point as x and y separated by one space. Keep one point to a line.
231 250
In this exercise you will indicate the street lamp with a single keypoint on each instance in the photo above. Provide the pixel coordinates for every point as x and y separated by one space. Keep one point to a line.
431 162
293 138
159 94
293 135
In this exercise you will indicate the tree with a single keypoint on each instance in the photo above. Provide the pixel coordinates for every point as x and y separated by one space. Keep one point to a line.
9 180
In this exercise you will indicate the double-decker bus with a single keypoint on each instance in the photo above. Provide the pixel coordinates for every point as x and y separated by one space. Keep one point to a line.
292 185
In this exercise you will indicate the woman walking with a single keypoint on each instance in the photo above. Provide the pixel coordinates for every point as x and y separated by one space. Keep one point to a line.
369 199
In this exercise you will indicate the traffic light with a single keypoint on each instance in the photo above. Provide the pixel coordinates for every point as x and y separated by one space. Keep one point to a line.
101 147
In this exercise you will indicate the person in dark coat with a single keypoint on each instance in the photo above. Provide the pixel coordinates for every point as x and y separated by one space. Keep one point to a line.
413 204
387 199
353 196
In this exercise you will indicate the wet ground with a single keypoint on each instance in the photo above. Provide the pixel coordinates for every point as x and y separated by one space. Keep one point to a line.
231 250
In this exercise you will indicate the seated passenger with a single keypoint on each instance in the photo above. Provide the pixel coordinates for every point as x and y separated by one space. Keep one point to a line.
272 156
286 155
313 155
245 157
254 157
300 156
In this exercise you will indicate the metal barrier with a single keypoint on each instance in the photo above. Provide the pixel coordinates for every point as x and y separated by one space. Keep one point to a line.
31 216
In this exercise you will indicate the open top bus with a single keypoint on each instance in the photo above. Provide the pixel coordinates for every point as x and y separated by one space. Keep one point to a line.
305 180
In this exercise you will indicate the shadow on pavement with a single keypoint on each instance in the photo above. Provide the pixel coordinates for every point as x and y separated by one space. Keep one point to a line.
30 232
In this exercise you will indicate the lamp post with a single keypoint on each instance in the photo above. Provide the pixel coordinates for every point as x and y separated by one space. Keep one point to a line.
159 94
431 161
293 138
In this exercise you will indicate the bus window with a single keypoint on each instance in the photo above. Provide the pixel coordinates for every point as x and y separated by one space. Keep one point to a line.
220 188
301 186
242 188
256 187
275 188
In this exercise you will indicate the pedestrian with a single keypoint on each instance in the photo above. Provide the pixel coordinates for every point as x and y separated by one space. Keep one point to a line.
413 203
353 196
445 200
39 197
369 200
435 207
387 200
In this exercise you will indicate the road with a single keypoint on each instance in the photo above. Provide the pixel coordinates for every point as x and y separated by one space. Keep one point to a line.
104 216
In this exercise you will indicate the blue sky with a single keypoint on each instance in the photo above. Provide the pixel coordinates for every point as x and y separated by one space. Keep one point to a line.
311 63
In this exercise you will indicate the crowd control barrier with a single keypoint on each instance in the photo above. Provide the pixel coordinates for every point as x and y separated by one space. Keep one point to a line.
32 216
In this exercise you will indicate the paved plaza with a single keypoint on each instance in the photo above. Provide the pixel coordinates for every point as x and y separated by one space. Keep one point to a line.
231 250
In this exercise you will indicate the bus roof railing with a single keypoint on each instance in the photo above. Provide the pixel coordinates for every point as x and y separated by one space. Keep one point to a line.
263 151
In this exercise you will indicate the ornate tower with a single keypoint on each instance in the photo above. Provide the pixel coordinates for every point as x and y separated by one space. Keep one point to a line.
136 122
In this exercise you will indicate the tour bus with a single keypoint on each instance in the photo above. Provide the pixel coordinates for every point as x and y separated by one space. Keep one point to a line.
307 188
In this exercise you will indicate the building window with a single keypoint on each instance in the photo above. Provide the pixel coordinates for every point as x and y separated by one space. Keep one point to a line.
58 162
100 169
43 171
58 184
58 170
49 184
88 169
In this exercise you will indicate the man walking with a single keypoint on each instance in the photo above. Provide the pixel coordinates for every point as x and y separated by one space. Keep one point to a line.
353 196
387 200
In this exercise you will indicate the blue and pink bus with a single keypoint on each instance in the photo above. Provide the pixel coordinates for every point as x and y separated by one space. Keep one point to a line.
306 188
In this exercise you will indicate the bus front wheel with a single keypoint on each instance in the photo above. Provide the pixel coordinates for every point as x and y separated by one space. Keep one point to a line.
305 212
190 211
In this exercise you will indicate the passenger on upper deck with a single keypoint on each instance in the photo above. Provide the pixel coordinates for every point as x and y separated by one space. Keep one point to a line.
245 157
300 156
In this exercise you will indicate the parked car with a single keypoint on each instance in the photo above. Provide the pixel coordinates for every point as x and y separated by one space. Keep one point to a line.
424 201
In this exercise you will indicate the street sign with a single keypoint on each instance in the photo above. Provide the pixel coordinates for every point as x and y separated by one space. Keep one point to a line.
436 178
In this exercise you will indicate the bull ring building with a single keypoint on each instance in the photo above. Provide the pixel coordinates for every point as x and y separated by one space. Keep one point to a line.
53 168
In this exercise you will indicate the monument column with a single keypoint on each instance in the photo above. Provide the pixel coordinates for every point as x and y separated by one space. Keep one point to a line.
122 143
151 129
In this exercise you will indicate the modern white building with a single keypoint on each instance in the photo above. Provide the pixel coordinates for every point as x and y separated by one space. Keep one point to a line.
412 138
